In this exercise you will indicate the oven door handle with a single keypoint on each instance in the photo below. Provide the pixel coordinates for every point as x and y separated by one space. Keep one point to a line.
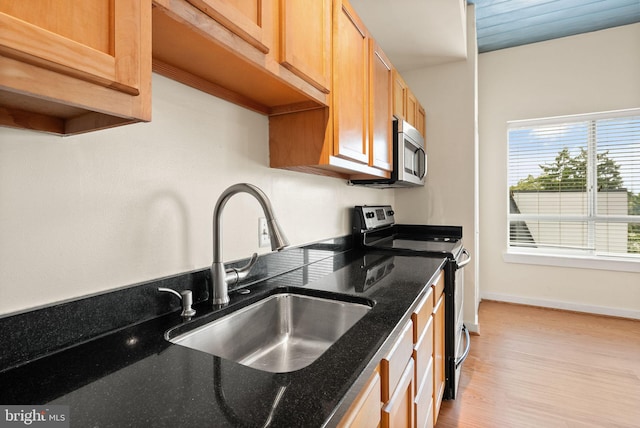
466 261
465 354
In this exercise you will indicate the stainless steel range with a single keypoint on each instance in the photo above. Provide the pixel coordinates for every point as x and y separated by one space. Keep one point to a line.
374 227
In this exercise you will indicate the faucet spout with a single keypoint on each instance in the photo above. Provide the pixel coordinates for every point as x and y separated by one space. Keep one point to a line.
219 278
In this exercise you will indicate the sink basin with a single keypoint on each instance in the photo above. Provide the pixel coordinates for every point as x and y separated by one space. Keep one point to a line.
281 333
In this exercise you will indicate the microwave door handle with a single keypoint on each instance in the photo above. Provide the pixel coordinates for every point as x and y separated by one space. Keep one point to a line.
420 167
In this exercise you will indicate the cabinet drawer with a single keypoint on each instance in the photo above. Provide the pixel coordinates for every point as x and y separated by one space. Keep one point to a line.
398 412
439 380
424 400
393 365
438 288
422 314
365 411
423 352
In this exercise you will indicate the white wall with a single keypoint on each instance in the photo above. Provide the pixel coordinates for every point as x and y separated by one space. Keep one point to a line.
448 94
592 72
85 214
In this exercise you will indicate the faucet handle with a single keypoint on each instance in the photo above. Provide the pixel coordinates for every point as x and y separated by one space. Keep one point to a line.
235 275
246 268
186 297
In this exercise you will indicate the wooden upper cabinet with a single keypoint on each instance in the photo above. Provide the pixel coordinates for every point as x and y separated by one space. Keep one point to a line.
248 19
350 85
69 66
305 40
91 40
399 95
265 55
421 121
381 109
352 138
412 109
406 106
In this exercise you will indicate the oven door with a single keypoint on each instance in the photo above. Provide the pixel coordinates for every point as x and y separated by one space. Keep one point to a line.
411 166
460 340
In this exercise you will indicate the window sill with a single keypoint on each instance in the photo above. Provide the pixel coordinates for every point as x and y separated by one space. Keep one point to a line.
581 262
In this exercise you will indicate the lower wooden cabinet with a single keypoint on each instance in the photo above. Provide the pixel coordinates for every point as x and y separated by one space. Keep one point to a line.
365 410
407 388
423 355
438 350
424 399
398 411
398 387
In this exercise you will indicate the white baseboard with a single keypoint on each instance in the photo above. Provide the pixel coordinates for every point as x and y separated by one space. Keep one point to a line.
577 307
473 328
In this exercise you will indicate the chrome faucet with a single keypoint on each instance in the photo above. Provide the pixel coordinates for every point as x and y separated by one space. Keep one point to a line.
221 278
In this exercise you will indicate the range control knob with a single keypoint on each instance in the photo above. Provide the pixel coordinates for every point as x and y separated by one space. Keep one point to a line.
370 214
390 213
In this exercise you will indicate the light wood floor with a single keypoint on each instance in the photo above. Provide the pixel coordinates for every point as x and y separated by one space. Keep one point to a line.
543 368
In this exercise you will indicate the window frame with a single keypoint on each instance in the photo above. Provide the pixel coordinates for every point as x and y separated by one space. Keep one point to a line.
629 262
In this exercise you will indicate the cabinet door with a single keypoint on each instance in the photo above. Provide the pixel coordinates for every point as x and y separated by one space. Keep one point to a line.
250 20
424 399
393 364
421 121
350 85
412 109
422 314
423 353
399 95
305 44
96 41
365 411
398 412
438 356
380 125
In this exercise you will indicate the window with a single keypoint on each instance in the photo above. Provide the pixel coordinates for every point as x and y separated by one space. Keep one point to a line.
574 185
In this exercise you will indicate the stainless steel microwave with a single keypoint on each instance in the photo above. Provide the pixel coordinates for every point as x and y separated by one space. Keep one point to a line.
409 159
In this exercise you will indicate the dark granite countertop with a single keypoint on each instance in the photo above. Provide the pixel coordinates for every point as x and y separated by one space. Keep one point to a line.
133 377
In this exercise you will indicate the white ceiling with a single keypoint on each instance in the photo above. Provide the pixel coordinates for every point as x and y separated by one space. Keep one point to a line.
416 33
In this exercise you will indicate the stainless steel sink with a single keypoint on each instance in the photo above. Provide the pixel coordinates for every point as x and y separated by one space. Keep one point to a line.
281 333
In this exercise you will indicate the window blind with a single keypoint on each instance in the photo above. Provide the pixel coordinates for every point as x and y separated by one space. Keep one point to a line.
574 184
